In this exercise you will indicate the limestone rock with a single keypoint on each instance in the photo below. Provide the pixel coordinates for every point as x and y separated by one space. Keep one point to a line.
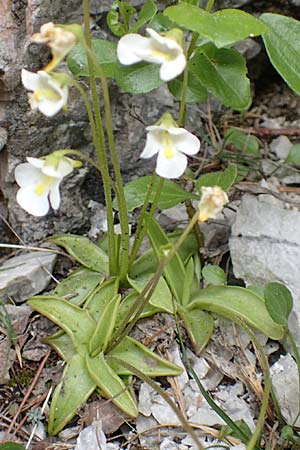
26 275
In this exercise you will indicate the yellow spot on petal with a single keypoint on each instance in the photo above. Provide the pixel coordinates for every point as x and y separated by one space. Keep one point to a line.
48 94
43 186
168 147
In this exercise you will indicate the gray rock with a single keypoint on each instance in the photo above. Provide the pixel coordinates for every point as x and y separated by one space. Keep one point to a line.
281 146
284 377
26 275
265 244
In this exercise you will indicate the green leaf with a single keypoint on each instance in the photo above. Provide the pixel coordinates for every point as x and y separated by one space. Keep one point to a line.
196 92
199 326
147 262
174 272
139 356
70 394
223 27
237 303
161 23
62 344
138 78
188 281
128 302
224 179
171 194
161 297
294 155
279 302
105 53
76 322
243 141
111 384
11 446
126 10
105 327
224 74
83 251
97 302
283 47
214 275
78 286
147 12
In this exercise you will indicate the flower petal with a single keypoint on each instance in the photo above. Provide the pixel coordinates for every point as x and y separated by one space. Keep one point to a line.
153 144
36 162
37 205
171 167
187 143
65 167
164 42
50 108
26 174
131 47
55 196
30 80
170 69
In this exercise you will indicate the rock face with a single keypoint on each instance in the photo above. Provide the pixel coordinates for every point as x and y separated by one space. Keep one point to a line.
265 246
28 133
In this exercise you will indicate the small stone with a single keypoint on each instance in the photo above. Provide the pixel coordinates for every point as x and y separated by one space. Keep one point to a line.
284 377
26 275
3 137
281 146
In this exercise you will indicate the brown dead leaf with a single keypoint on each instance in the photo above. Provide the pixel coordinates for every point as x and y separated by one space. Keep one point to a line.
112 418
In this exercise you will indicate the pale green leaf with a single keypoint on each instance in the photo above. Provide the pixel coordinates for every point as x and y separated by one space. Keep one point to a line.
138 78
105 53
196 92
279 302
147 13
111 384
76 322
294 155
237 304
97 302
171 194
70 394
161 297
243 141
199 326
78 286
224 74
214 275
139 356
283 47
105 327
83 251
224 179
223 27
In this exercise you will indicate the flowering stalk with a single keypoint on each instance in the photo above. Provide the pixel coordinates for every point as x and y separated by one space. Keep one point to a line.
142 301
144 219
124 248
100 146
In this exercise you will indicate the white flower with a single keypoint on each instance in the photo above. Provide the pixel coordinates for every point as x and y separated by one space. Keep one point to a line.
172 145
39 179
212 202
59 39
49 94
163 50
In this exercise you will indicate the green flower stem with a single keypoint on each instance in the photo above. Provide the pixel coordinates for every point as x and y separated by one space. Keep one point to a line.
134 312
297 359
264 404
100 147
144 219
123 212
209 5
156 387
182 110
70 151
